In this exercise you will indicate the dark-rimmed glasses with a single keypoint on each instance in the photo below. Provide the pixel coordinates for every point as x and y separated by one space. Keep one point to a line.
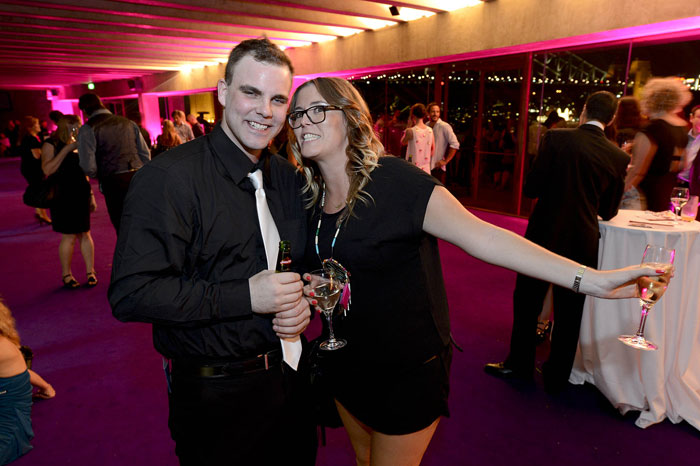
315 114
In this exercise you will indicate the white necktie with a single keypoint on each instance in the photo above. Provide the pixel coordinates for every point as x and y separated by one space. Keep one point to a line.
291 347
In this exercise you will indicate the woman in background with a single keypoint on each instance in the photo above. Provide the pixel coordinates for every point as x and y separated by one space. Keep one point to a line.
627 123
16 382
167 139
73 200
658 151
30 153
419 138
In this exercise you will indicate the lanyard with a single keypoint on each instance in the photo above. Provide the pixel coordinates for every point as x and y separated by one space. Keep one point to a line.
318 227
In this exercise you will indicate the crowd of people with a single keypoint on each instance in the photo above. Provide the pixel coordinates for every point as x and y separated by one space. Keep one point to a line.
223 319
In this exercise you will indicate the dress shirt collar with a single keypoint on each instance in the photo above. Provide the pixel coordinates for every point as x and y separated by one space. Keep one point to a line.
595 123
99 111
235 161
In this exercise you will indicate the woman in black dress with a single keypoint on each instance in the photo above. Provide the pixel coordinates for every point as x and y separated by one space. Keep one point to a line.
658 152
73 200
380 218
30 154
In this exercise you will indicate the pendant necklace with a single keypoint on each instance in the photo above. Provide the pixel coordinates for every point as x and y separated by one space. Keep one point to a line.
331 265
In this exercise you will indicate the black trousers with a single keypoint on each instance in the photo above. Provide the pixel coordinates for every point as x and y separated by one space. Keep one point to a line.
259 418
114 188
528 297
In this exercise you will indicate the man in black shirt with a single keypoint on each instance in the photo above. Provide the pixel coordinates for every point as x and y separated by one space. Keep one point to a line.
191 260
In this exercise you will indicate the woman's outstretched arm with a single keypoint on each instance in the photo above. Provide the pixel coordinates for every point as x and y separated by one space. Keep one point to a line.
447 219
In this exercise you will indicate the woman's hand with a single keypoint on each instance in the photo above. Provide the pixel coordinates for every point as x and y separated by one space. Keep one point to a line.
618 283
308 291
45 392
93 203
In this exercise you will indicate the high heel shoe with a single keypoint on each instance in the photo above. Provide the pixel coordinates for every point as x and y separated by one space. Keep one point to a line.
91 279
70 284
544 328
42 219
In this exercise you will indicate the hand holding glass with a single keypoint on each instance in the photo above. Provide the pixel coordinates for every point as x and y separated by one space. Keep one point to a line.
73 134
326 289
651 289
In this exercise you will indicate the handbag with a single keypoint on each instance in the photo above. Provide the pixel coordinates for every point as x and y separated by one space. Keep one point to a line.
41 194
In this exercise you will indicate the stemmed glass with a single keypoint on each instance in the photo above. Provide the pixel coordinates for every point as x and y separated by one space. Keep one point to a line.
327 288
679 197
650 291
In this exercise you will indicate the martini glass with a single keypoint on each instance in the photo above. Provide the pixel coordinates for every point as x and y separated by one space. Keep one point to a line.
651 289
327 288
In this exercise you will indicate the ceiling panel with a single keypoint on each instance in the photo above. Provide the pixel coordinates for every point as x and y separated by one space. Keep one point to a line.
61 42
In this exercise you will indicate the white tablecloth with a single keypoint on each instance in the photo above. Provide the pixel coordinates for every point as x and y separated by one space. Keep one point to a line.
662 383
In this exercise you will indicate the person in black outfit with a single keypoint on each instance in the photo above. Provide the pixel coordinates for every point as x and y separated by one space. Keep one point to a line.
30 159
73 201
578 175
658 153
191 260
138 119
391 381
111 149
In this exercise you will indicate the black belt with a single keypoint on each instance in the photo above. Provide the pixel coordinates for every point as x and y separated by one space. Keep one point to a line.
261 362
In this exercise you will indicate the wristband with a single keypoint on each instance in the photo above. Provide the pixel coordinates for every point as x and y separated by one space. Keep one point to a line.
579 276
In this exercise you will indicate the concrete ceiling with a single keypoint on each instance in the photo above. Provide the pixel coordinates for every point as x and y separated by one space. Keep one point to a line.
48 43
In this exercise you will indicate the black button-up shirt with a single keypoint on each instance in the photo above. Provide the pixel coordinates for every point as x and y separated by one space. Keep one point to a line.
189 242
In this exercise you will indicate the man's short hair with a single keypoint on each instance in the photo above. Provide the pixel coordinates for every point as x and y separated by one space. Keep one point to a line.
89 103
55 115
693 110
262 50
177 112
601 106
431 105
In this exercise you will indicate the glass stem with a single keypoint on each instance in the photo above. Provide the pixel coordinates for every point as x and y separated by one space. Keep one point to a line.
645 310
329 318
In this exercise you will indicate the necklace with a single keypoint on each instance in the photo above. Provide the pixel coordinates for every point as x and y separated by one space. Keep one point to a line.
318 227
330 264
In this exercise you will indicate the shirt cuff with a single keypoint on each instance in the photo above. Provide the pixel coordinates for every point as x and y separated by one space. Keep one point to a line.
235 299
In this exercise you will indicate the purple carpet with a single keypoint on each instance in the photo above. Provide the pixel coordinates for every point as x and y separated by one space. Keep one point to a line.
111 405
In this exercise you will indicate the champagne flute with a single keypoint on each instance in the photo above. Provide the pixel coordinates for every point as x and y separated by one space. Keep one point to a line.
679 197
73 134
327 288
650 291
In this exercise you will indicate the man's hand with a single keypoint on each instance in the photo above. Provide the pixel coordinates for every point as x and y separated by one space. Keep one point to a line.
271 293
291 323
440 163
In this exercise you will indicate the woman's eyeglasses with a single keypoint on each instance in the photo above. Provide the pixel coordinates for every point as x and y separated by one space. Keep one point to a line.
315 114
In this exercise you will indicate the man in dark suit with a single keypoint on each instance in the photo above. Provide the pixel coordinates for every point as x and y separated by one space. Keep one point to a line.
577 175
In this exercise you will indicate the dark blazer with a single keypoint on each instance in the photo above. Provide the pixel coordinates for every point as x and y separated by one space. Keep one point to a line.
577 175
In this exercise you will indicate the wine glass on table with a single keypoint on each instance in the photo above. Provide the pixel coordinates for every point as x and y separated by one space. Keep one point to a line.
679 197
326 288
651 289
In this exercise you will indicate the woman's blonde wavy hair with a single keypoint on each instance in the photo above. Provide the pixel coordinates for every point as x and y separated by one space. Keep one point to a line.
663 95
7 324
364 148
